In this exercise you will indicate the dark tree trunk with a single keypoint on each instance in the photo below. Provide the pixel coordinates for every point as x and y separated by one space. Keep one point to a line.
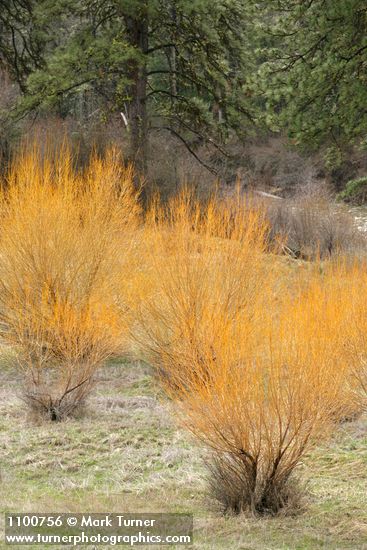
137 30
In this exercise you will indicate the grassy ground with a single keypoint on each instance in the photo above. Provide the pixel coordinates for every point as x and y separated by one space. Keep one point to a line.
124 454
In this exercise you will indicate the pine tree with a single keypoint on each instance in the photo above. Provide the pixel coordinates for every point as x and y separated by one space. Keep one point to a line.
315 71
183 63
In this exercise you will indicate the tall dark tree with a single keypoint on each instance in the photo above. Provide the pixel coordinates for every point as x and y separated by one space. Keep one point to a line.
315 71
180 65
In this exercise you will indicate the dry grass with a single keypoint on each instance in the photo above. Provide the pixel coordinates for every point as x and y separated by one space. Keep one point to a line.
126 455
313 227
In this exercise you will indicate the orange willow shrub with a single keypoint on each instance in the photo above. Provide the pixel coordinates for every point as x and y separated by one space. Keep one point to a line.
344 280
63 236
351 299
269 398
206 263
256 374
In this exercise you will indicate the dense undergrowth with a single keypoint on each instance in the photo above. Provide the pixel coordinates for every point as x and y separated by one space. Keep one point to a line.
260 361
355 191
